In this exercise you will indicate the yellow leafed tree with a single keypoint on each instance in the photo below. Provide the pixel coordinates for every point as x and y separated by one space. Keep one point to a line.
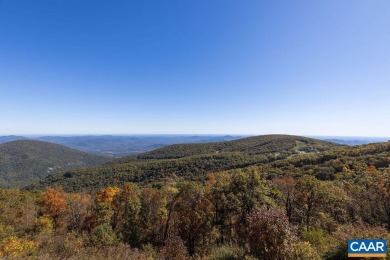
108 194
14 246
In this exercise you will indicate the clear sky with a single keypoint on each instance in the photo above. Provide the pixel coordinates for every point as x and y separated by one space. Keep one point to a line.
195 67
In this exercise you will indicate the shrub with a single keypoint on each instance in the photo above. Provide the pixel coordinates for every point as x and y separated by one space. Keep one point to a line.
270 234
304 251
44 224
174 250
226 253
15 247
104 235
317 238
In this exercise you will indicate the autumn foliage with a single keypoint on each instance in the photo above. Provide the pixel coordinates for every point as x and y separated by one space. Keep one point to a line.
252 213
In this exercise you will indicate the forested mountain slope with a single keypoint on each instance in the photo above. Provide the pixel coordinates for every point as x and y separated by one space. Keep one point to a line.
303 206
152 172
336 164
285 144
24 161
118 146
201 159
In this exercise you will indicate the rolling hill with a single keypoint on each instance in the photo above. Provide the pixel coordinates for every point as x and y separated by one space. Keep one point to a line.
23 162
264 144
121 145
189 161
345 162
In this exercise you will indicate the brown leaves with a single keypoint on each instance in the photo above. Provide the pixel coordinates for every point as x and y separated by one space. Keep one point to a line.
270 234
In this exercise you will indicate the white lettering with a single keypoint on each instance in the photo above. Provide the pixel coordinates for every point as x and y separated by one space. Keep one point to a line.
352 246
380 245
376 246
371 246
363 247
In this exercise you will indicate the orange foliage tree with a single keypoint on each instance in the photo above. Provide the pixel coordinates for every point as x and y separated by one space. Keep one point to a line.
53 203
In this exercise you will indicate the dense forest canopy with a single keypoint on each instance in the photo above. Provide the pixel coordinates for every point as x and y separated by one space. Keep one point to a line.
24 162
251 145
228 205
189 161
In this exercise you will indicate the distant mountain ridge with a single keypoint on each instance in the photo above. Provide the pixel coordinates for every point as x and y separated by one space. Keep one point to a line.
118 146
123 145
189 161
23 162
352 140
10 138
357 141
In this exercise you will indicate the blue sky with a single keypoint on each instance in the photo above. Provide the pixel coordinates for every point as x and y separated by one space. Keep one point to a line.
195 67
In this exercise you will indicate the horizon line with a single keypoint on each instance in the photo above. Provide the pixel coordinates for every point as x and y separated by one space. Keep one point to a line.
173 134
